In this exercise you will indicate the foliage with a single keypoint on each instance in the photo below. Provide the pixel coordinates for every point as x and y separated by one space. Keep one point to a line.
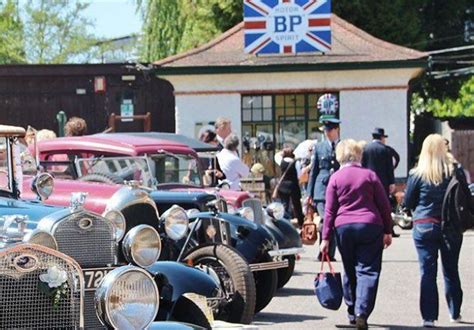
55 31
171 27
463 106
11 34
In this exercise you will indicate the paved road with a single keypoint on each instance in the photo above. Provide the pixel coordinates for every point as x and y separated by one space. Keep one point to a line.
296 307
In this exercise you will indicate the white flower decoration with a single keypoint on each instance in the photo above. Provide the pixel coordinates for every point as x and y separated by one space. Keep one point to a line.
55 277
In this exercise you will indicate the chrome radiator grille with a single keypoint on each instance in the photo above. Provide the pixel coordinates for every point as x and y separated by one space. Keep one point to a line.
221 205
22 305
90 315
256 205
86 238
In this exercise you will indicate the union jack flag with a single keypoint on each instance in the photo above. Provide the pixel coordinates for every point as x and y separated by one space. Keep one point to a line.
287 26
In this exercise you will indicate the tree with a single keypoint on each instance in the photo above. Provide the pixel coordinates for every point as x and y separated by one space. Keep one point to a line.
56 31
175 26
11 34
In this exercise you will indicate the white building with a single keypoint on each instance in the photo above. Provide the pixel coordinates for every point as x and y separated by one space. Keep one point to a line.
277 95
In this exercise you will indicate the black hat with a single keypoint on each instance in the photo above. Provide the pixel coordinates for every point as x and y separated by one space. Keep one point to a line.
379 132
329 122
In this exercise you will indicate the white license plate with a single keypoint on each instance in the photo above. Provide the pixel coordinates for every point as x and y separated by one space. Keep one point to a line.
94 276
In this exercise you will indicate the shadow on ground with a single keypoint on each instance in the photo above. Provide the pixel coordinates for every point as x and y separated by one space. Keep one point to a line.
271 318
284 292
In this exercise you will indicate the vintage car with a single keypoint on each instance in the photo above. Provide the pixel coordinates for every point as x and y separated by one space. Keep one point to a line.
86 154
44 289
91 241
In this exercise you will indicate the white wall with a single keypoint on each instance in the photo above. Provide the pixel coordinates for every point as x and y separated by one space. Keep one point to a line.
368 99
362 111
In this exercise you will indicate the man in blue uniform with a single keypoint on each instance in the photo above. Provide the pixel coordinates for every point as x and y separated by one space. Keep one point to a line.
324 163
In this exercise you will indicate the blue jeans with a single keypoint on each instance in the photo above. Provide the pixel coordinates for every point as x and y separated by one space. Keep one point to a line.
361 247
429 239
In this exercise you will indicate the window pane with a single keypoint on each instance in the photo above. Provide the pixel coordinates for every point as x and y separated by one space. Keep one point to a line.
246 115
267 114
257 102
279 113
257 114
246 102
300 113
246 130
267 101
291 133
280 101
312 106
299 100
314 132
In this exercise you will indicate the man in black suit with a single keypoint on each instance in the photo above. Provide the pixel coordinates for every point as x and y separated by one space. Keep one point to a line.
381 159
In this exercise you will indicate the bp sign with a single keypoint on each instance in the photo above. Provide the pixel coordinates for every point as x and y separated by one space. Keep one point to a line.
284 26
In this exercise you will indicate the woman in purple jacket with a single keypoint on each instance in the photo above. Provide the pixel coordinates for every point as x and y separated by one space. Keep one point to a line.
358 210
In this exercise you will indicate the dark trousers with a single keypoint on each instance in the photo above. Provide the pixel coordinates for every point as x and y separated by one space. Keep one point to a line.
295 198
429 239
361 247
320 206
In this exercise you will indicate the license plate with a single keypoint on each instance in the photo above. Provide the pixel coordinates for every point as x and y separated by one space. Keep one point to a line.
94 276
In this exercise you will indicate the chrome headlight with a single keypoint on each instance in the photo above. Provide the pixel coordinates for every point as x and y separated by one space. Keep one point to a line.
41 238
118 219
127 298
43 185
247 213
176 222
231 209
192 212
276 210
142 245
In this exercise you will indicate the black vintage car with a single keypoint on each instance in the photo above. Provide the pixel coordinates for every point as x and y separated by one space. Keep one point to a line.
30 236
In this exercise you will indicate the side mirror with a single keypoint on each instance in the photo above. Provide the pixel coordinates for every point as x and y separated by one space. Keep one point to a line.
43 185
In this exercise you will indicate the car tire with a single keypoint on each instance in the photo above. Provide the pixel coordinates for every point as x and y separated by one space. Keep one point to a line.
225 261
284 274
266 283
102 178
188 312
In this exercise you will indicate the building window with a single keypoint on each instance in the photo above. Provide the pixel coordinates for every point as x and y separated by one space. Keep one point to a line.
281 118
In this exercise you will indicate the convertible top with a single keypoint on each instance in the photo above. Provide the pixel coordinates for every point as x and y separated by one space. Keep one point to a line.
195 144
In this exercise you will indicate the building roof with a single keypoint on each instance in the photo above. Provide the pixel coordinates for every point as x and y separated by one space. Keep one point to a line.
351 48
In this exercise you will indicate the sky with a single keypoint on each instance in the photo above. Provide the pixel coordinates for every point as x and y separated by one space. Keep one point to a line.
113 18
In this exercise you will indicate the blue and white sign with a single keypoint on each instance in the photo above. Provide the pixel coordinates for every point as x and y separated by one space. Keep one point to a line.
287 26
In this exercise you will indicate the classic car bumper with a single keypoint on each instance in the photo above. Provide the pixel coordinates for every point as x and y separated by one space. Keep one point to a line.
285 252
268 265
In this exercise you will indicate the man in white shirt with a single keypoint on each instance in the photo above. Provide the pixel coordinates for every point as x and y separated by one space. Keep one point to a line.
232 166
223 129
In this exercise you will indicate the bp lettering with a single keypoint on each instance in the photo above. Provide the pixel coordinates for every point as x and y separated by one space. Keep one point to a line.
281 24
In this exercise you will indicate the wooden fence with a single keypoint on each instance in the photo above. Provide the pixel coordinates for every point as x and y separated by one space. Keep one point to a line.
462 147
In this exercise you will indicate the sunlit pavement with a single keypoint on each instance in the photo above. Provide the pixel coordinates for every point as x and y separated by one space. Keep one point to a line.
295 306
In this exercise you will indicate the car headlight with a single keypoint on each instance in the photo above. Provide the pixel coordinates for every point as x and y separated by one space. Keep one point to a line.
231 209
247 213
41 238
276 210
191 212
127 298
176 222
142 245
43 185
118 219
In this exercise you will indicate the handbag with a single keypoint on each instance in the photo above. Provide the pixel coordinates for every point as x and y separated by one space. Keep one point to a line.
309 230
328 286
275 190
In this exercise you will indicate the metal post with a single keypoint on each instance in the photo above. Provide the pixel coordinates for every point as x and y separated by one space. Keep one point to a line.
61 118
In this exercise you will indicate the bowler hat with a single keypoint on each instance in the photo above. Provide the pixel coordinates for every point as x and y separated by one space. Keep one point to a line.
379 132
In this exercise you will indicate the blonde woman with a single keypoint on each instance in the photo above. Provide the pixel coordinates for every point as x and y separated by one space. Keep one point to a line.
424 195
358 211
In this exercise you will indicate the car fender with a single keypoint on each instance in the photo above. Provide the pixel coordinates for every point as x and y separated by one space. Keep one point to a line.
284 232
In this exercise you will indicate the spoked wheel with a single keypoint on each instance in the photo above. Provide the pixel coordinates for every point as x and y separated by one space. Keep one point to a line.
235 278
284 274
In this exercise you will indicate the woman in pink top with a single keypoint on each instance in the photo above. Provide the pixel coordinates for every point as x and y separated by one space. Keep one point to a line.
358 211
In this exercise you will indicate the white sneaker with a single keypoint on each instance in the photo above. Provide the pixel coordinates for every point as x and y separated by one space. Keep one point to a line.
458 320
428 324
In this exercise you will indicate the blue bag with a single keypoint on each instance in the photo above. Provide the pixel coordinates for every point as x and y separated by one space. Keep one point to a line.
328 286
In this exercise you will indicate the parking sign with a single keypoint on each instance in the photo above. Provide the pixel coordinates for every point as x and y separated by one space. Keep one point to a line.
287 26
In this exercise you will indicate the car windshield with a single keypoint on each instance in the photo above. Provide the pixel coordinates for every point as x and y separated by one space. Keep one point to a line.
5 170
122 168
176 168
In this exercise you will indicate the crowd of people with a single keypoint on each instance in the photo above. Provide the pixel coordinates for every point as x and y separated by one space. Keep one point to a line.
349 184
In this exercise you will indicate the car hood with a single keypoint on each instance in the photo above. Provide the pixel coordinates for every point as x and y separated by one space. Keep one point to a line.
98 194
33 209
